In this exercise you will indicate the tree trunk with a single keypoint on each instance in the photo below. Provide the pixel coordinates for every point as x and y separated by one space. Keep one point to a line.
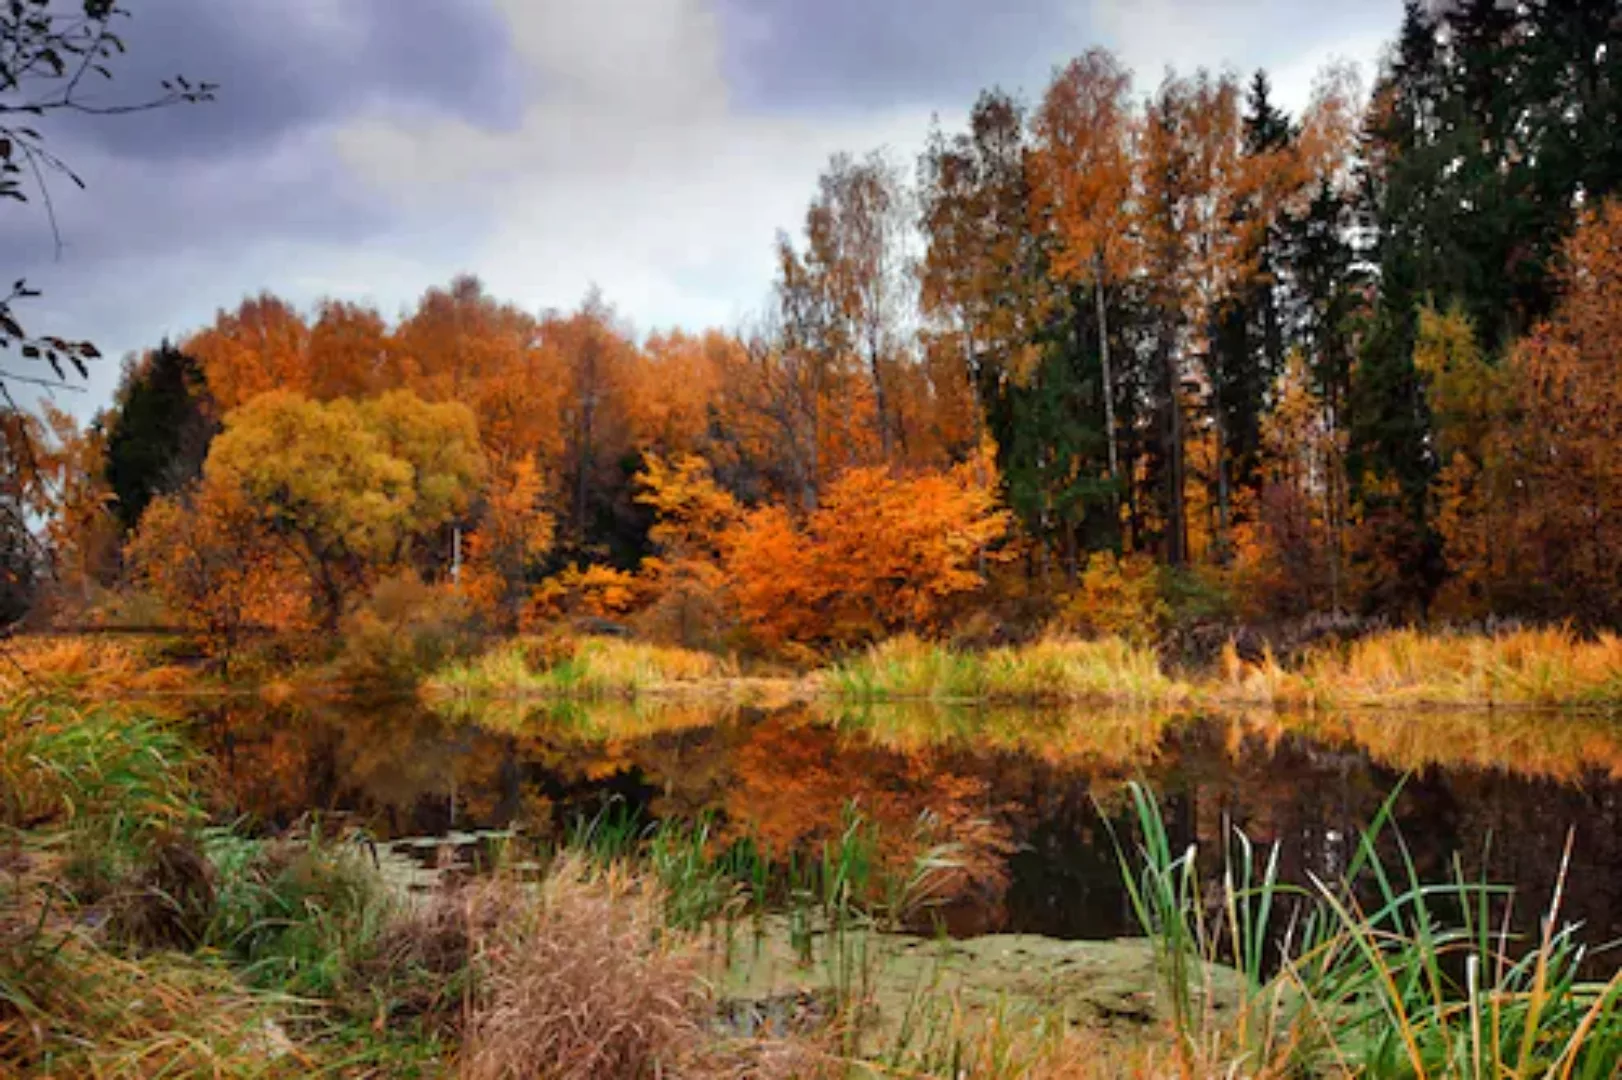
1109 383
1177 527
1221 432
881 402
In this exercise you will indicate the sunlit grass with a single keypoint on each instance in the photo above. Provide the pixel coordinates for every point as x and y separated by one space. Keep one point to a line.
117 776
1049 671
587 668
1547 668
92 667
1537 668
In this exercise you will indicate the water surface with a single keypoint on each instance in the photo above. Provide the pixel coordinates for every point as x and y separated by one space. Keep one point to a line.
1026 797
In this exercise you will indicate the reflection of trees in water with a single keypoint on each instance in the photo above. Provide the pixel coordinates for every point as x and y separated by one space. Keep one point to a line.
1016 791
793 779
396 766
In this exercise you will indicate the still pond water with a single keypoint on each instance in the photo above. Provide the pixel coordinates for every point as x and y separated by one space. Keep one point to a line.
1025 796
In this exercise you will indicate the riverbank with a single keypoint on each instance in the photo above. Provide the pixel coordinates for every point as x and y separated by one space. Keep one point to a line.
144 933
1521 669
142 937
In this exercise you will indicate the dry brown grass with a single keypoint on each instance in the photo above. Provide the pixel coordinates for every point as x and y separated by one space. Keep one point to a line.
1542 668
582 982
70 1008
97 667
574 977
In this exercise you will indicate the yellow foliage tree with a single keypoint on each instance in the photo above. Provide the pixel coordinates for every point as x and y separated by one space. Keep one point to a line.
347 486
693 517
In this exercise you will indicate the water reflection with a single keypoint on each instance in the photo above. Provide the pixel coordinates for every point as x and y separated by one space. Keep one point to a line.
1017 792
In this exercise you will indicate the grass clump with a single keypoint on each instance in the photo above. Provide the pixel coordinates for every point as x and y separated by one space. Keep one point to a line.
584 982
1377 974
90 667
1545 668
1533 668
98 789
1526 668
69 1006
1053 670
586 668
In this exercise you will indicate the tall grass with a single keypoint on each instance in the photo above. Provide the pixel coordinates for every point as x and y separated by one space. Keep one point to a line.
90 667
1049 671
1379 974
94 788
589 668
1539 668
1527 668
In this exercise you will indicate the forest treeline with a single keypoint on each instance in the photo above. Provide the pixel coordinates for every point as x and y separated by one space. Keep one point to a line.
1110 354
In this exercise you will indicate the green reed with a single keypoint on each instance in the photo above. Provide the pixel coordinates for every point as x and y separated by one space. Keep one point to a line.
1377 973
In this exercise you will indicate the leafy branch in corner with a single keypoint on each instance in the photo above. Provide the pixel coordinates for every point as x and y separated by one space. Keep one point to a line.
47 57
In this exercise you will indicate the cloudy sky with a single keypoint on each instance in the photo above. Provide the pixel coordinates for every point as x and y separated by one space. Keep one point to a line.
368 149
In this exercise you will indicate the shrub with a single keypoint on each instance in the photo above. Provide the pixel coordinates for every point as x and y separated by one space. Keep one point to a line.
1117 597
405 630
597 591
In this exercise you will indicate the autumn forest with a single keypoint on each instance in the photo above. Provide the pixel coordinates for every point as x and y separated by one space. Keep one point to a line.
1359 360
1140 596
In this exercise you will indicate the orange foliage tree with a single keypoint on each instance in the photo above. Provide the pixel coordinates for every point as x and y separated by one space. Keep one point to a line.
207 555
514 532
882 554
694 516
1562 488
1084 180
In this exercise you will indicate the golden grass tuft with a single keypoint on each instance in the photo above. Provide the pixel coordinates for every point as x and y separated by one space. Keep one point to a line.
584 983
1531 668
1534 669
590 668
1053 670
91 666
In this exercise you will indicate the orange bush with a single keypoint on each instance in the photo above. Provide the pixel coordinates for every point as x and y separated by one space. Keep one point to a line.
881 555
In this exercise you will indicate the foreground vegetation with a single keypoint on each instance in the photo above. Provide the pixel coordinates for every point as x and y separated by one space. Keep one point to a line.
141 936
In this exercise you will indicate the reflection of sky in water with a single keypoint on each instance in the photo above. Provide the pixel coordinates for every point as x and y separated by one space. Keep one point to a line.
1017 792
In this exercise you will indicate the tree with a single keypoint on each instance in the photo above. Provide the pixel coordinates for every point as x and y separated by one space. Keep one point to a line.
351 352
513 532
348 486
598 450
882 554
1287 543
205 551
983 285
261 347
1562 522
81 531
693 518
1162 213
856 258
48 53
158 431
1405 215
1247 354
1084 183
